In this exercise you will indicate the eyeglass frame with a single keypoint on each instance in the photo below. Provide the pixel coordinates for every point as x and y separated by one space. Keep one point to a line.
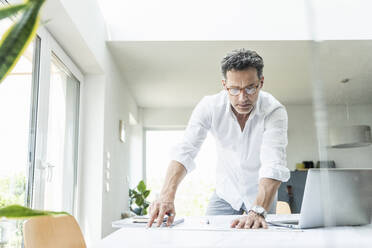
246 88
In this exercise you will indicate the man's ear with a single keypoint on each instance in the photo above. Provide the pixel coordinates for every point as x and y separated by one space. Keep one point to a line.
224 83
262 81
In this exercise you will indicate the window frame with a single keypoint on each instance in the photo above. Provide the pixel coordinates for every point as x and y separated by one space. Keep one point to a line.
48 47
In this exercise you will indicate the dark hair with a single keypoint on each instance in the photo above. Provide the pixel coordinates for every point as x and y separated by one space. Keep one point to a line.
242 59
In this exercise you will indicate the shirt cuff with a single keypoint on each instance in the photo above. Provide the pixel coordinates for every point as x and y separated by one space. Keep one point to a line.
186 161
275 171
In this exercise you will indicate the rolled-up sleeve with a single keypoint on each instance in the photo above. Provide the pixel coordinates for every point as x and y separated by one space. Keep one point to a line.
273 149
195 133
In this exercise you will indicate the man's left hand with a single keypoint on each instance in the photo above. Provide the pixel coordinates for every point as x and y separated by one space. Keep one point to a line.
251 220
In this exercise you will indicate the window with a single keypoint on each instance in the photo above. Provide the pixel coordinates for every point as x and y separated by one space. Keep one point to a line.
56 142
195 190
61 149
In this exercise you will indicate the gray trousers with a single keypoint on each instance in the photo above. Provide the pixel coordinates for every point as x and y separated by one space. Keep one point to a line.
218 206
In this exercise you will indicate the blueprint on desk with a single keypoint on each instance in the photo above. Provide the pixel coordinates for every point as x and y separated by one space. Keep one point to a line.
222 223
208 223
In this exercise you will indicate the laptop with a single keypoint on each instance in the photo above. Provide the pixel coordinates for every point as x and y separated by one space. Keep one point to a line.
334 197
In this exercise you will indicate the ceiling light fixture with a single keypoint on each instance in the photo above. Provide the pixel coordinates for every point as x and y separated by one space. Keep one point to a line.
349 136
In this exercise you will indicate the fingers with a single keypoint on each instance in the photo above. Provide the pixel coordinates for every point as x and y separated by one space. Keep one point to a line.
256 224
241 223
234 223
152 219
249 223
171 218
160 217
154 215
264 224
158 210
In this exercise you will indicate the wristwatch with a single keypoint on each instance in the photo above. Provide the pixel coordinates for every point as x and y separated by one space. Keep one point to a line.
258 210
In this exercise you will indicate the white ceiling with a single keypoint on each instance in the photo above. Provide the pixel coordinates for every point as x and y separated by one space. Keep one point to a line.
179 73
207 20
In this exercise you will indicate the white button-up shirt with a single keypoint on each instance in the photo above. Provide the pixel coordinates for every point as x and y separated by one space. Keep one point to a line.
243 156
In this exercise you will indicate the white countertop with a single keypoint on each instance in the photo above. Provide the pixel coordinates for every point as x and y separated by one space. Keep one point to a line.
194 232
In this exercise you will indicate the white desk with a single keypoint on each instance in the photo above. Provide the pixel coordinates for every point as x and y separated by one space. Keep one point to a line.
194 233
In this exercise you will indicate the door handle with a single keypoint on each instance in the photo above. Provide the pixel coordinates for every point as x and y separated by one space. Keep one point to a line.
41 165
50 172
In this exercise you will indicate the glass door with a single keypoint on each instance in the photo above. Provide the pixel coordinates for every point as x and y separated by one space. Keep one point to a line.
59 168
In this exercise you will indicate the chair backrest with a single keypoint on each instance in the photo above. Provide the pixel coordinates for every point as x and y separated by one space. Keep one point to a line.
282 207
53 231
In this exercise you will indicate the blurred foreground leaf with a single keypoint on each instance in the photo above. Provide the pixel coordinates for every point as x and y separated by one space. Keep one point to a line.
20 212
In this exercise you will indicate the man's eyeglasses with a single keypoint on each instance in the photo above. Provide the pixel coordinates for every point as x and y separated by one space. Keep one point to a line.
248 90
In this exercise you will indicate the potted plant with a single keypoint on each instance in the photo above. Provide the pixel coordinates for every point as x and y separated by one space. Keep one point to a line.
138 197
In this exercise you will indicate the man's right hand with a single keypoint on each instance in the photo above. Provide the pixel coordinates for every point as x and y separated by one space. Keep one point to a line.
158 209
164 205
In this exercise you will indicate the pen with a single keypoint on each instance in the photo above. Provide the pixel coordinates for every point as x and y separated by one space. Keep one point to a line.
205 221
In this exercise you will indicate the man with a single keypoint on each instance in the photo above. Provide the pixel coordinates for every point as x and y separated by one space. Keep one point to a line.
250 129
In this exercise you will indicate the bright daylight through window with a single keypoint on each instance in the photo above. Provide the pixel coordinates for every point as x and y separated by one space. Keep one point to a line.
196 189
15 107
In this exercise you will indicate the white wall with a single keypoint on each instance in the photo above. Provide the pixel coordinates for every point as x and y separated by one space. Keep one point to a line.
118 104
105 100
90 157
302 145
302 140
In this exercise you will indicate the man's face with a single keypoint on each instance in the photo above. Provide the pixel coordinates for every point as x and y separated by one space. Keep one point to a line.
243 103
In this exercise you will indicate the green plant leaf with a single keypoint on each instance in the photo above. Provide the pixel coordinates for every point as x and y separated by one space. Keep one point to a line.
20 212
146 193
16 39
143 212
135 194
11 10
146 205
141 186
139 201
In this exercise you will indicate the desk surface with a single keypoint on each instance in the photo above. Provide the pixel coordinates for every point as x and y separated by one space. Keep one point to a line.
195 233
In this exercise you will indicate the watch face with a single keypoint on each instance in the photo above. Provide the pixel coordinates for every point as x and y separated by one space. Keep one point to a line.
259 210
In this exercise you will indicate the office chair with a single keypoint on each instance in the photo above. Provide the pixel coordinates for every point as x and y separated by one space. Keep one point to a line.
53 231
282 207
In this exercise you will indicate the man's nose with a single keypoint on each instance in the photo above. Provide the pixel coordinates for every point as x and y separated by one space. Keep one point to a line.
243 95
